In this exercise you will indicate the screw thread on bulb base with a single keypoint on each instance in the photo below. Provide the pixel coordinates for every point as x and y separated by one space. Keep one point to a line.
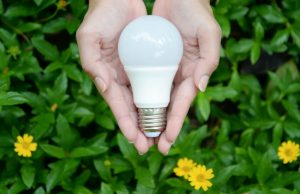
152 121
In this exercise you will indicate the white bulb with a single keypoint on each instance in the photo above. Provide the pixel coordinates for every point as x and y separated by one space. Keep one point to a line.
151 48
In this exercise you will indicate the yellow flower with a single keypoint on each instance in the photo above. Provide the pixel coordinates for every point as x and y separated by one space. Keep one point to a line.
24 145
61 4
14 51
184 167
199 177
288 151
54 107
107 163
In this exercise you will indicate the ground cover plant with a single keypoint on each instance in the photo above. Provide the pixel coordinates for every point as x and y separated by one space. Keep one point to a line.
57 135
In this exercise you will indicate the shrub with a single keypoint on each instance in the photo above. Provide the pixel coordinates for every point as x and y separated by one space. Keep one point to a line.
235 128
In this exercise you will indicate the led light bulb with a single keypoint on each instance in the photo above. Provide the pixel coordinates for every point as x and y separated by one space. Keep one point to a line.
151 48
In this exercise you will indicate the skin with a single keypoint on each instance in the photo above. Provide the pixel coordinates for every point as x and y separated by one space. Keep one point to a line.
202 39
97 39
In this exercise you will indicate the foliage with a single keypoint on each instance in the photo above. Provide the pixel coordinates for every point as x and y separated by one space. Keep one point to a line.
235 128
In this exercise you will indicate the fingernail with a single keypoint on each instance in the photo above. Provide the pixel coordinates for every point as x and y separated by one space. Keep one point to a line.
100 82
141 153
203 83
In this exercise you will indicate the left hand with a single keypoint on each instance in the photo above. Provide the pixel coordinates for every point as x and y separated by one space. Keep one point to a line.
202 38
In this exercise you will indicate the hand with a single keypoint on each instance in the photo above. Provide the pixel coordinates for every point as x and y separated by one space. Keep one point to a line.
97 39
202 38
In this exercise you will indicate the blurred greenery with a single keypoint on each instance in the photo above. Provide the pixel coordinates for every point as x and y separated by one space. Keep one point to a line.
235 128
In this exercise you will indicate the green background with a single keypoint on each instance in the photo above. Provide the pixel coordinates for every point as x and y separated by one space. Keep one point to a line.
250 107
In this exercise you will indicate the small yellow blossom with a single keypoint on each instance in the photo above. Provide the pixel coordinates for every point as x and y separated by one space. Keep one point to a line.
61 4
199 177
24 145
184 167
288 151
54 107
107 163
14 51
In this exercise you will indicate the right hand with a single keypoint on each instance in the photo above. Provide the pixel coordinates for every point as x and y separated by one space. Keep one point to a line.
97 39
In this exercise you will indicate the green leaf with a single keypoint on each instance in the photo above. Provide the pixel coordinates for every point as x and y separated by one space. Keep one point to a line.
88 151
144 177
280 37
127 149
48 50
38 2
29 26
270 14
73 73
16 188
155 161
55 26
238 12
54 151
82 190
224 24
203 105
106 189
28 174
220 93
103 169
295 33
1 7
78 7
105 121
259 30
255 52
242 46
54 176
9 39
277 134
20 10
11 98
178 183
66 135
3 60
265 169
40 190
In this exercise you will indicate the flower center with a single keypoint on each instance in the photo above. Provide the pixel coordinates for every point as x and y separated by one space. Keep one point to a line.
186 169
288 152
26 145
201 178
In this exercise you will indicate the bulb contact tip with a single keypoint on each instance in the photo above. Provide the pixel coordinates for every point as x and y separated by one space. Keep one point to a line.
152 121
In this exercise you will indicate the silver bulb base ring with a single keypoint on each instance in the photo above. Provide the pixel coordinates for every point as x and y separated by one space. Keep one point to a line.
152 121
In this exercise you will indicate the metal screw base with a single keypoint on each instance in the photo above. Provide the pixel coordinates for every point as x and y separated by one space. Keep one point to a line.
152 121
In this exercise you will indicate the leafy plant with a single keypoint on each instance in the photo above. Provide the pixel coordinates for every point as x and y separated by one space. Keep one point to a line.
235 128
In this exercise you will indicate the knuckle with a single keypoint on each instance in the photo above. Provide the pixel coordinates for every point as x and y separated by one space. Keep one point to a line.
87 68
214 63
215 29
83 31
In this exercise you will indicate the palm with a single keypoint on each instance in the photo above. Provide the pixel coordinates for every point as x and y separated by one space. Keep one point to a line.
201 37
98 38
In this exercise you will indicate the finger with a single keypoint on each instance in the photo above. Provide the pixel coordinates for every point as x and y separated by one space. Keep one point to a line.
209 40
89 43
180 105
116 100
129 99
163 144
141 143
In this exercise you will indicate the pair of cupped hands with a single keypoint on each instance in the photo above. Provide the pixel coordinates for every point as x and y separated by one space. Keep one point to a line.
98 37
